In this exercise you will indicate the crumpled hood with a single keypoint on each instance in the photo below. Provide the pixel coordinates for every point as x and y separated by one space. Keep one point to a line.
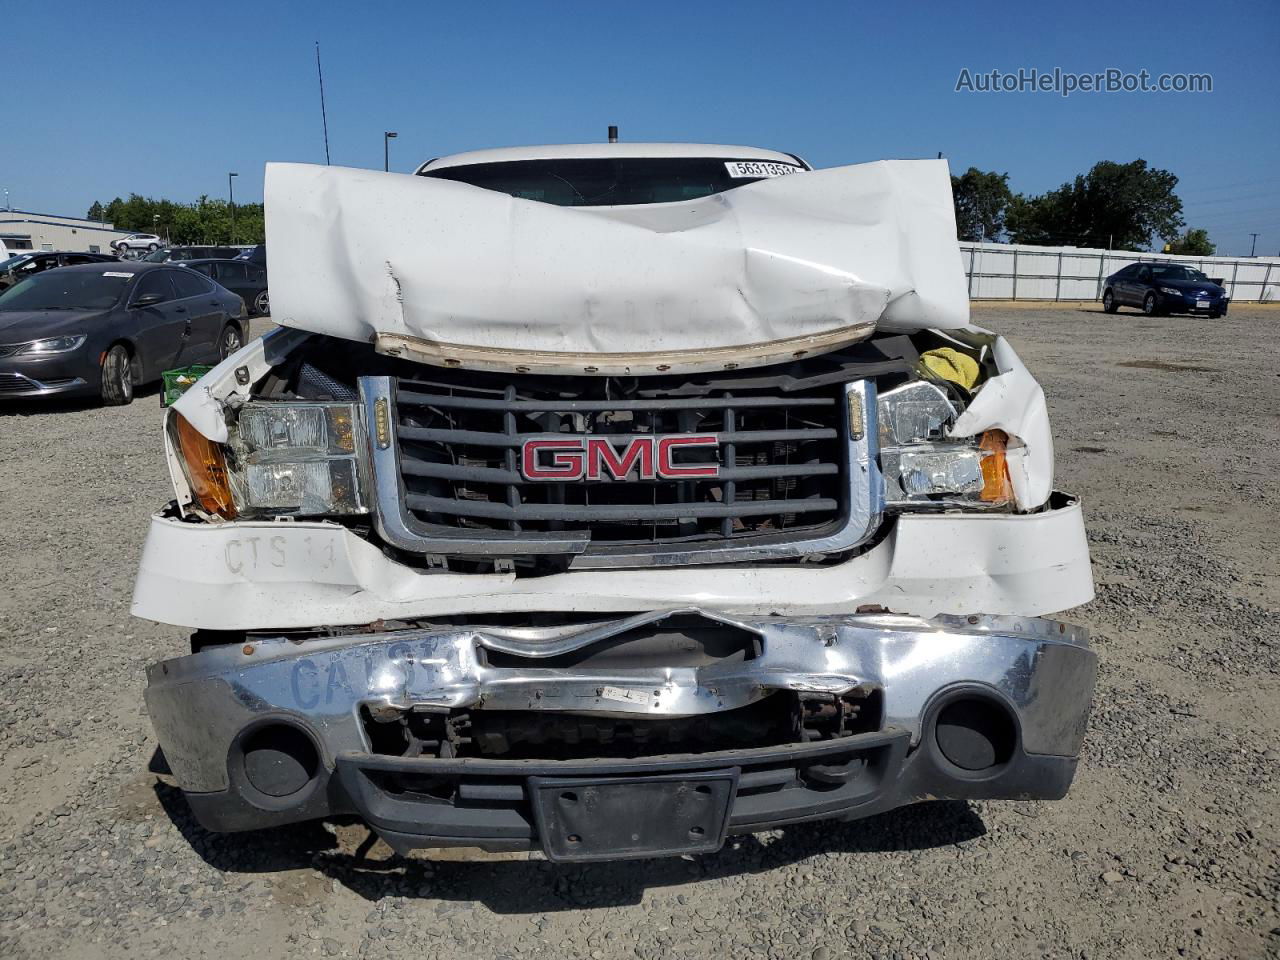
453 274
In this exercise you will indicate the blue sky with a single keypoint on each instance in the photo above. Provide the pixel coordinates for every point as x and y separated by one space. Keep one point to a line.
164 100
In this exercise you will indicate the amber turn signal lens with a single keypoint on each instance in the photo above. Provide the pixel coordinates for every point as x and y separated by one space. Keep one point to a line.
206 469
995 469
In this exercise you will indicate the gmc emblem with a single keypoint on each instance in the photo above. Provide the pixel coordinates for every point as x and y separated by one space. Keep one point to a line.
591 458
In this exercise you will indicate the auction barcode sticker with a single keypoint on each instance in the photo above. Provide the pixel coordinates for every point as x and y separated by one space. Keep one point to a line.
625 696
116 273
741 169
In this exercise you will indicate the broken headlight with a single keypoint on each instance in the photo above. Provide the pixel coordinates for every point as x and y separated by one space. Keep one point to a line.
923 467
300 459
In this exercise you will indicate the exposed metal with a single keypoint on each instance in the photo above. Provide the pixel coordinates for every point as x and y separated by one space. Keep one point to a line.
619 363
1042 669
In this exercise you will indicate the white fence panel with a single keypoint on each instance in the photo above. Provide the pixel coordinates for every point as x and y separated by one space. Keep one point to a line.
1009 271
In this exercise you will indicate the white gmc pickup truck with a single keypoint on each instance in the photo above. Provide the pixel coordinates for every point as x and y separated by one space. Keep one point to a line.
609 500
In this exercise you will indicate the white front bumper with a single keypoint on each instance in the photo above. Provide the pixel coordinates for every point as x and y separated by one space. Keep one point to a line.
250 575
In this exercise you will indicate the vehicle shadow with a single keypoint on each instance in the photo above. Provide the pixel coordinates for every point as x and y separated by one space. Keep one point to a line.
42 406
348 852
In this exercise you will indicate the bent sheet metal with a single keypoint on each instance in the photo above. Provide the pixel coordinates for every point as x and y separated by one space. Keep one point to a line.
455 274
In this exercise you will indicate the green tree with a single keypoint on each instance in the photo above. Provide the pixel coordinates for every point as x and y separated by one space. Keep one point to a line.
1123 205
185 226
205 221
1193 243
97 211
114 210
981 198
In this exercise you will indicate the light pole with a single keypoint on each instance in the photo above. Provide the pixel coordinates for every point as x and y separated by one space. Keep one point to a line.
155 224
1254 246
231 196
387 137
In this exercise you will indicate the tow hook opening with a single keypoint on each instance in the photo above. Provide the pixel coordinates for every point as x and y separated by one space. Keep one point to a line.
279 760
976 733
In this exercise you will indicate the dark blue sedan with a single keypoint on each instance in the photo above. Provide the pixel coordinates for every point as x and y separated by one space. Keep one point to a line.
102 329
1158 288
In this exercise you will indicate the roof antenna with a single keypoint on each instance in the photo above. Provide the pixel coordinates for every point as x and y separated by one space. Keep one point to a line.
613 134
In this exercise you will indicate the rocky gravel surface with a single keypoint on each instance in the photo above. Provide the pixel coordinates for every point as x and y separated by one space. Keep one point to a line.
1167 846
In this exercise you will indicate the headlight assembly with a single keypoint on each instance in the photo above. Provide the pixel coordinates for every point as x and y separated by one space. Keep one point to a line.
282 459
923 469
204 465
298 458
37 348
1171 291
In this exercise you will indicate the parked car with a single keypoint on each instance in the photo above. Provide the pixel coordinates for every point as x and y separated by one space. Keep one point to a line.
182 253
136 241
11 248
104 329
29 264
1159 288
11 263
240 277
256 255
615 530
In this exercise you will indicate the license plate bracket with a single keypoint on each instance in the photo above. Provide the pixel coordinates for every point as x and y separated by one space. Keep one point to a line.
623 817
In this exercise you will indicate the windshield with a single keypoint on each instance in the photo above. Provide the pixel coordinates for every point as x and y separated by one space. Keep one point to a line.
1174 271
67 290
158 256
609 182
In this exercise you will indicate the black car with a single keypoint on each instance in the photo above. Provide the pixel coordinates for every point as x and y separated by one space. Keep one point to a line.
170 254
240 277
25 265
256 255
102 329
1159 288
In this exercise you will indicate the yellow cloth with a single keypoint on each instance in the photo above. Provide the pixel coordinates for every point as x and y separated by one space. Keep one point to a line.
948 363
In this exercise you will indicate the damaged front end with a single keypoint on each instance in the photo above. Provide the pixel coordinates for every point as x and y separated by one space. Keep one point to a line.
625 609
595 740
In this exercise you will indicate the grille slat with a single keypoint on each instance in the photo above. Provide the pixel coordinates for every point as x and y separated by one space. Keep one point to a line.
449 471
486 439
591 406
731 456
781 460
630 511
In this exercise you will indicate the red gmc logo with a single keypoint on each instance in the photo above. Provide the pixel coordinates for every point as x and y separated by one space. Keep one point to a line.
591 458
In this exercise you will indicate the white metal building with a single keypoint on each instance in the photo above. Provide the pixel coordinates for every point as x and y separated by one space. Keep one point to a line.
24 230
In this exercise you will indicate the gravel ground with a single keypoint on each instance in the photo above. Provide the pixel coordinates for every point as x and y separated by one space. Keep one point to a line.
1168 844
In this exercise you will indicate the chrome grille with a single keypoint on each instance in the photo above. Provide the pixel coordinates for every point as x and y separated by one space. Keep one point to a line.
458 487
14 382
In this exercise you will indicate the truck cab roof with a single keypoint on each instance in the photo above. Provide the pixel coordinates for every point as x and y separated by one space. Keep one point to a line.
613 174
598 151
